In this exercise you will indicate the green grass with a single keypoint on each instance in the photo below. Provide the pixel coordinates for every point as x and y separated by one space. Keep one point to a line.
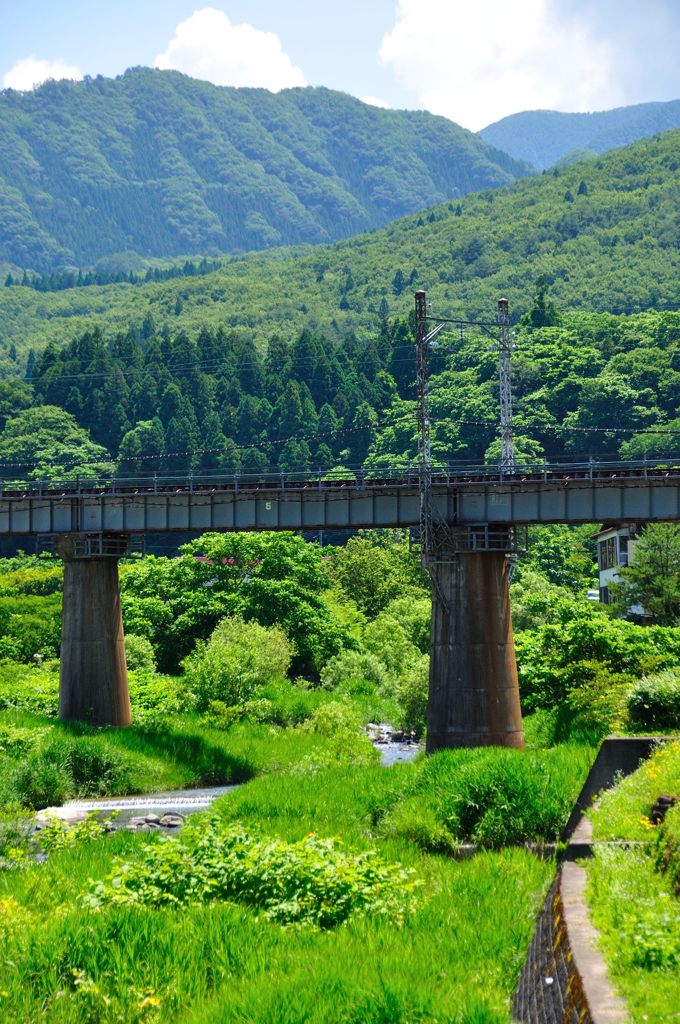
457 958
153 756
623 811
632 901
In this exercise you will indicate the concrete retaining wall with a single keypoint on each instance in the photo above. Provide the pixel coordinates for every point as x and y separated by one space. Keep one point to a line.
564 979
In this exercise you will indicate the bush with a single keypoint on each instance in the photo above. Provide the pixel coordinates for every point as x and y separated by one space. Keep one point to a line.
416 821
668 847
66 768
25 688
336 719
310 882
596 699
151 693
551 659
654 702
16 741
497 798
411 693
139 653
30 625
16 825
59 835
503 801
351 667
386 640
238 658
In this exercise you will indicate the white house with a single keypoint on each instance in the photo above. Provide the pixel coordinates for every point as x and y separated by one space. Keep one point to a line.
615 548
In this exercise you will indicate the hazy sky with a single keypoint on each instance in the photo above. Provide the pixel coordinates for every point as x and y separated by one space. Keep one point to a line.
474 62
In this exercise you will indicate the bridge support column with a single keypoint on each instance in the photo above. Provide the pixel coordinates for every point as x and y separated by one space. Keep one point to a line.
93 682
474 693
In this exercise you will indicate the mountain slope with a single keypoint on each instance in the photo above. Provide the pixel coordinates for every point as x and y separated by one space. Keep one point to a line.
605 234
543 137
162 165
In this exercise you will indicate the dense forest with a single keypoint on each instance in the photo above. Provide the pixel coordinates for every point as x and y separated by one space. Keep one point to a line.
148 401
154 163
604 234
545 137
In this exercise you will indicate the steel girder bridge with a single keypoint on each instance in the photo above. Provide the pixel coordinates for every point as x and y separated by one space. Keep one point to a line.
477 511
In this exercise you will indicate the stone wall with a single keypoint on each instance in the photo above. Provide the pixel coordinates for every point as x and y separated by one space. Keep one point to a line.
564 979
549 990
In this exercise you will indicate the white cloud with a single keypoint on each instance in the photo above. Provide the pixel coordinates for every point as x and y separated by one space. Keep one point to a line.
476 63
209 47
375 101
31 71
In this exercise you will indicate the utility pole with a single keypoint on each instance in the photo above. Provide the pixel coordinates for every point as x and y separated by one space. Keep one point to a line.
424 339
424 458
504 355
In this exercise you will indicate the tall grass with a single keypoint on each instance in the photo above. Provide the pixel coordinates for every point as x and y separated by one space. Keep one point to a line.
632 901
457 958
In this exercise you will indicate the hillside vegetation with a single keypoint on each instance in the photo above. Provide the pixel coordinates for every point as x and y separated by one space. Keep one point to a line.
155 163
605 234
544 137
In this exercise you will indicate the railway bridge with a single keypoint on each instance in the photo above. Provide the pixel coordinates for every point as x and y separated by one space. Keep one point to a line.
477 512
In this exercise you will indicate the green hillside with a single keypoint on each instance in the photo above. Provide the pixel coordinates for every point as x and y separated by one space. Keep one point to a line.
303 359
544 137
605 234
157 164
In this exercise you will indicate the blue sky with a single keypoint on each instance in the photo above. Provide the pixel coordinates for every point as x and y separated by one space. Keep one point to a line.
472 62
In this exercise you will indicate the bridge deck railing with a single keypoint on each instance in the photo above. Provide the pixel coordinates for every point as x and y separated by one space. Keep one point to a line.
458 474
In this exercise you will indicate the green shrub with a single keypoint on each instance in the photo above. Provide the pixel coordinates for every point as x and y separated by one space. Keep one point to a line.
654 702
597 698
336 719
30 625
39 782
16 825
151 694
389 643
16 741
551 659
496 797
56 834
310 882
289 703
411 692
139 653
25 688
416 821
668 847
68 767
238 658
340 722
351 667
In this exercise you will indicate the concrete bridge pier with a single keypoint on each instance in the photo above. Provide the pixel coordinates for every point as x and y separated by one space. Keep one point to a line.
93 682
474 692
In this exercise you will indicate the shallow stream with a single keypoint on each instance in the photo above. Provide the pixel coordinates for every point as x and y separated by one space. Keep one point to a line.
184 801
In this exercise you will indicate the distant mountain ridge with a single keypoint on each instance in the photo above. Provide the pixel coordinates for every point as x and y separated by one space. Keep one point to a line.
542 138
604 234
162 165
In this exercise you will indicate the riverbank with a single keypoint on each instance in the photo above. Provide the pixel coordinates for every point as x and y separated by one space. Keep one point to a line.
453 954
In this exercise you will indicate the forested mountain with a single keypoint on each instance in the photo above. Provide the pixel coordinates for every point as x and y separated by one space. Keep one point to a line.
605 234
159 164
584 385
303 359
544 137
